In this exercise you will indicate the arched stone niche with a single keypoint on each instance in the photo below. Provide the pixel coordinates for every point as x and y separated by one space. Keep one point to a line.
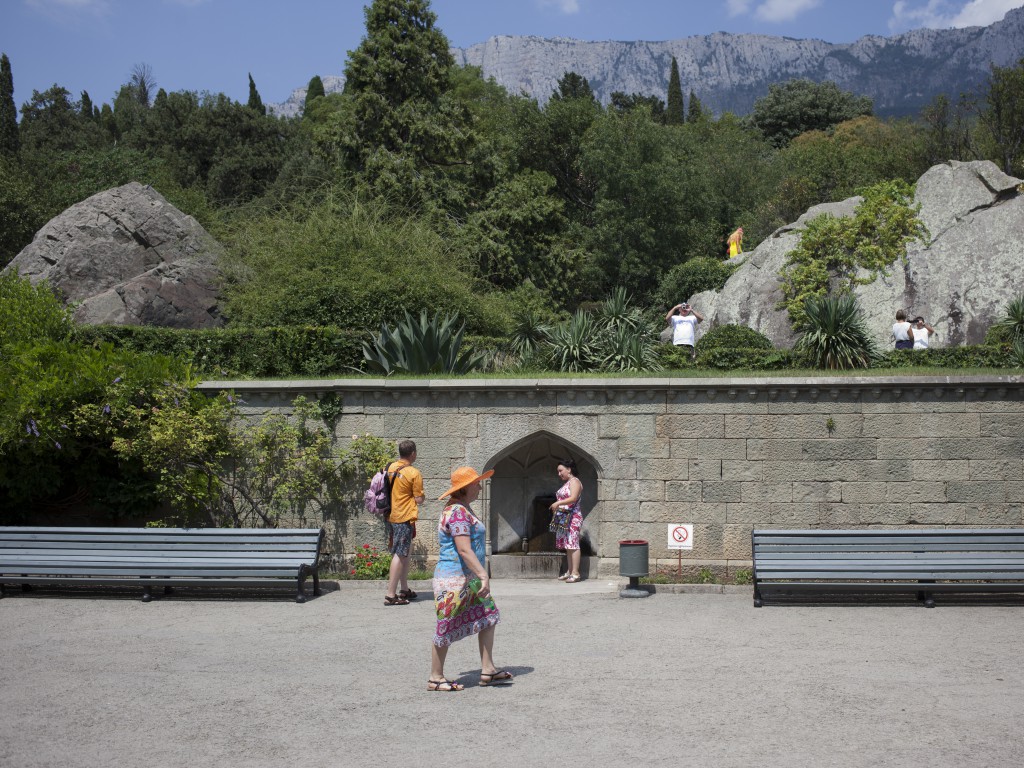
525 481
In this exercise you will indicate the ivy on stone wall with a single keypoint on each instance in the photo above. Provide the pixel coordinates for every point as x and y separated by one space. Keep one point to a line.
833 250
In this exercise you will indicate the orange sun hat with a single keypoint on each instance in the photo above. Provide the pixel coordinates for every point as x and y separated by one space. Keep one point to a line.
462 477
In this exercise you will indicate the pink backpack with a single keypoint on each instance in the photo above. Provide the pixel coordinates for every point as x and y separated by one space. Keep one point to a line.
377 498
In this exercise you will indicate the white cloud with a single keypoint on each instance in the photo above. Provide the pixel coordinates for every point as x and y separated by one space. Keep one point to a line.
771 11
783 10
737 7
567 7
943 14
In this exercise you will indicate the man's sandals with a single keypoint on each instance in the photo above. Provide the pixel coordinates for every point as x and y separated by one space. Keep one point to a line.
398 599
499 677
444 685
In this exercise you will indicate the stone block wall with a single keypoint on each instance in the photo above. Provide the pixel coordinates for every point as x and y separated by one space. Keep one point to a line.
727 455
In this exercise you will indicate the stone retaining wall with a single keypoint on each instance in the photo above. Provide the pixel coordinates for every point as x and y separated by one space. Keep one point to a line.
727 455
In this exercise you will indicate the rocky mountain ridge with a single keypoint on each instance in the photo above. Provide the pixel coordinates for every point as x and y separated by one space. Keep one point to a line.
730 72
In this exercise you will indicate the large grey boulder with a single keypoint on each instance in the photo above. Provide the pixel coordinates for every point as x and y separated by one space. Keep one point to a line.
126 256
960 281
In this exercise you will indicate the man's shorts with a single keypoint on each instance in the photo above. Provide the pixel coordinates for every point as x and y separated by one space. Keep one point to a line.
400 536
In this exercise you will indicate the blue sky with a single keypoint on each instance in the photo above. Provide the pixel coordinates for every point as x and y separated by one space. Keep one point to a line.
212 45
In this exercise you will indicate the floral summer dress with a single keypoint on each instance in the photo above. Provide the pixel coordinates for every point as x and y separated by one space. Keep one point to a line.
568 536
461 611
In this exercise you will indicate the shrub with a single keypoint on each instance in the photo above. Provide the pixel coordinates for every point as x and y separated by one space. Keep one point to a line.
835 336
694 276
733 337
833 250
370 563
972 356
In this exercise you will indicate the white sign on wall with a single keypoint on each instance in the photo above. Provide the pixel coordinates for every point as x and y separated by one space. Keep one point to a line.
680 536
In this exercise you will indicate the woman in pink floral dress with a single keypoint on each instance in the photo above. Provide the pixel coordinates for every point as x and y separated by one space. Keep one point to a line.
462 588
567 517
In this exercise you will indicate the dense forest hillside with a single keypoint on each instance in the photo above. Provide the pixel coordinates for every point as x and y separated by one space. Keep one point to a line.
427 186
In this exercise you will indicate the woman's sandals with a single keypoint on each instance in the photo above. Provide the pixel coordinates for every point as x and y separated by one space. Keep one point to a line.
444 685
498 677
396 600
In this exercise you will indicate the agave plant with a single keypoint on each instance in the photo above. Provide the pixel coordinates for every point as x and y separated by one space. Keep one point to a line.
421 345
835 335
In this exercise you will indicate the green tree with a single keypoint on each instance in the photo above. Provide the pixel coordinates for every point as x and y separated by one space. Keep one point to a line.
255 103
696 111
142 83
674 107
796 106
52 122
86 108
9 139
949 134
624 103
402 133
314 91
1003 113
573 86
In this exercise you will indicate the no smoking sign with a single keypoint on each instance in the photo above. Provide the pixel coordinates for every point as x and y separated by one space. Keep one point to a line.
680 536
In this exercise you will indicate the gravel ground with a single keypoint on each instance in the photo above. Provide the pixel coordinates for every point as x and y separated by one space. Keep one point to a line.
700 679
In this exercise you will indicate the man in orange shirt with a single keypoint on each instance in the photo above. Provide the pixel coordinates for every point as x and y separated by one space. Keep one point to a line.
406 496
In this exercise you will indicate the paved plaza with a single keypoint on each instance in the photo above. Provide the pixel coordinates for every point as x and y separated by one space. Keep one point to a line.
699 679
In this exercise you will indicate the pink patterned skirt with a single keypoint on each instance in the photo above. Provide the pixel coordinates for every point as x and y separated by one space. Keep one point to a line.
571 540
461 611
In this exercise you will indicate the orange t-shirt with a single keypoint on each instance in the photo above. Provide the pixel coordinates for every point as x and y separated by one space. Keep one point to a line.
405 487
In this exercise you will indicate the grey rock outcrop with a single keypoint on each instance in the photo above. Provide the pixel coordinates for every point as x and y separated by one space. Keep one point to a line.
960 281
126 256
730 72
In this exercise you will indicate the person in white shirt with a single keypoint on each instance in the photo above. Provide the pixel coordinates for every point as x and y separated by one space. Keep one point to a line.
920 333
684 319
901 332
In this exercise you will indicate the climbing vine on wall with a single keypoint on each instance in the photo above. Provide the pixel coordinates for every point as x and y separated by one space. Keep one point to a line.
832 251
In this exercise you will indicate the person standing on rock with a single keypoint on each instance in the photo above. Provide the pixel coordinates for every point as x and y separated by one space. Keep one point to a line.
735 242
901 331
406 496
684 319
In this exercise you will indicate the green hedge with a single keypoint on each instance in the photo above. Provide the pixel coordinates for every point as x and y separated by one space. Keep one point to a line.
973 356
283 352
247 352
319 352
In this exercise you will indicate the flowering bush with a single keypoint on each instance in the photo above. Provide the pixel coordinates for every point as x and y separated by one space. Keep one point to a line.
371 563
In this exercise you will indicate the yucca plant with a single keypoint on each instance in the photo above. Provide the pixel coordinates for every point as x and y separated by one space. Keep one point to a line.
573 344
421 345
529 332
1012 323
1017 353
836 336
617 311
626 349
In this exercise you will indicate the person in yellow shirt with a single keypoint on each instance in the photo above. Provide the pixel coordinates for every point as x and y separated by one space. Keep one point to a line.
406 496
735 243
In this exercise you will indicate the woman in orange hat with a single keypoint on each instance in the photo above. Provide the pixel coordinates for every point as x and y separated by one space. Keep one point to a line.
462 588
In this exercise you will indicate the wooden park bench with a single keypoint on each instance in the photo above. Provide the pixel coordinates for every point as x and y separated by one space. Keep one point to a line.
167 557
923 562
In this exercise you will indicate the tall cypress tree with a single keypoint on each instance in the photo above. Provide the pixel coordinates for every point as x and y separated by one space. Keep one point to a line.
315 89
255 102
696 110
86 109
9 140
674 105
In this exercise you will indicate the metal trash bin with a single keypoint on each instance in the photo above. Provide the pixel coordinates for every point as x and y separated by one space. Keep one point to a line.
633 562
